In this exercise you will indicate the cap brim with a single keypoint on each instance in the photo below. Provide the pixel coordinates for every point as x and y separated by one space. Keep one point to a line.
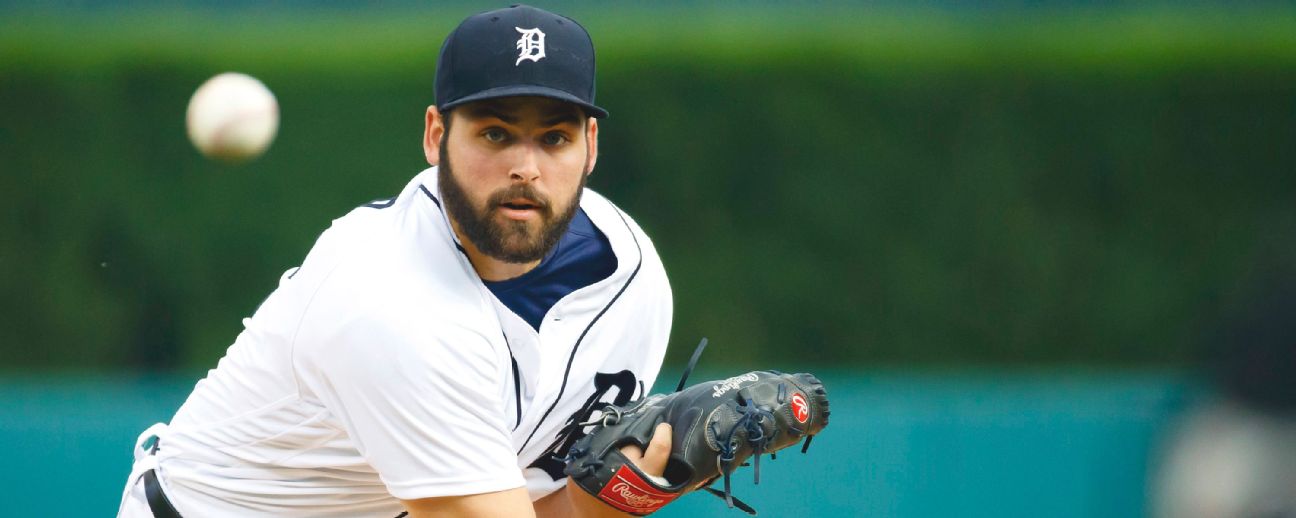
527 90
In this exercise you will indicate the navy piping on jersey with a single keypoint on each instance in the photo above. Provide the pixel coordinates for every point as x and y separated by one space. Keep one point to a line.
567 373
380 204
438 204
517 384
429 195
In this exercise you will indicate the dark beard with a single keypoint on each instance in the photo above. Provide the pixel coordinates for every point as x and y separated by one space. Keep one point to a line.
512 241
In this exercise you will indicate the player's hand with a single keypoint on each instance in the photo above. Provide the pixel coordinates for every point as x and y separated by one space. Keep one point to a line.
578 504
653 460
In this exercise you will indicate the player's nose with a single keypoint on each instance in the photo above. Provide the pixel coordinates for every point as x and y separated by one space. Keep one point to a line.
526 166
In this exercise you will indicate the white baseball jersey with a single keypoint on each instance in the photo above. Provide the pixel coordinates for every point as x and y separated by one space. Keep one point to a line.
383 368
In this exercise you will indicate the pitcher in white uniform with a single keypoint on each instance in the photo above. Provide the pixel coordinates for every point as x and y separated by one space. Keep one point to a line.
435 352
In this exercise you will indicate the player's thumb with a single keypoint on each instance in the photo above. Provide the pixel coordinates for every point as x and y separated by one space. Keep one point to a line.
658 452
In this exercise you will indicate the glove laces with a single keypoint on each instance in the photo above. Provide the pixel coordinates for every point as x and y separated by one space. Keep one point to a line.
753 434
749 422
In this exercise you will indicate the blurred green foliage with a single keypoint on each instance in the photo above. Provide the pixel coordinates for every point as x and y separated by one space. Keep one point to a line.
823 187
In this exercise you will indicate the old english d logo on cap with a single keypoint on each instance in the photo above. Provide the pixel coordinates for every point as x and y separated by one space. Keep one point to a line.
530 45
517 51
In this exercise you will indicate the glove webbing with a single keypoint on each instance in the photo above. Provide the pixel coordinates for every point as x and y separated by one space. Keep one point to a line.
697 353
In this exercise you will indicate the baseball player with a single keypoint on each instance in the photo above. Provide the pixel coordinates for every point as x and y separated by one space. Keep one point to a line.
436 353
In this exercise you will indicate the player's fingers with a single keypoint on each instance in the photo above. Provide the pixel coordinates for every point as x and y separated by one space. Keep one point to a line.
659 448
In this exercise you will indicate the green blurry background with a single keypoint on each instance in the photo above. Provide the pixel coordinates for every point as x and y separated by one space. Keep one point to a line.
1000 230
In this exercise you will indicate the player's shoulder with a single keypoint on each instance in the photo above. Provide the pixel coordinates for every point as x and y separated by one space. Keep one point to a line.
629 241
616 224
393 257
391 279
407 216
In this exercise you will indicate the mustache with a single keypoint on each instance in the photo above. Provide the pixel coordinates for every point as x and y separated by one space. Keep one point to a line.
522 191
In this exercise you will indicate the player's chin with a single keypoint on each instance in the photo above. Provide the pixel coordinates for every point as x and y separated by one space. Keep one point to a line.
515 231
521 247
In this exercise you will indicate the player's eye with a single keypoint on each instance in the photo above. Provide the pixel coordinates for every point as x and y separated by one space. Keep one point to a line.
495 135
555 138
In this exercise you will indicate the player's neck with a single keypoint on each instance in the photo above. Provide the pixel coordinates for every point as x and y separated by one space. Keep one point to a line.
490 268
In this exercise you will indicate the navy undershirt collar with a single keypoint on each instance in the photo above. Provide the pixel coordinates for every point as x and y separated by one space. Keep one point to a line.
583 256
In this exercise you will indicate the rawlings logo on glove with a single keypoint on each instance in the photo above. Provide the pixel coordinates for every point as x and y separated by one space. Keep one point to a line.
629 493
715 427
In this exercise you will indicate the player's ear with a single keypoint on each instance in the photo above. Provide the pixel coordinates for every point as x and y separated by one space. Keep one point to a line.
591 143
433 130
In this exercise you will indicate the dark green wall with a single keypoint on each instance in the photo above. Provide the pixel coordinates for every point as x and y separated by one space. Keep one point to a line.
941 192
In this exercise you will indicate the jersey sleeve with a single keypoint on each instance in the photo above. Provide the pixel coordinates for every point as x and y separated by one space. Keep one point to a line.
421 400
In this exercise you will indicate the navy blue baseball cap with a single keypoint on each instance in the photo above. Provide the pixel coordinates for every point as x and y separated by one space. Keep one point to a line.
517 51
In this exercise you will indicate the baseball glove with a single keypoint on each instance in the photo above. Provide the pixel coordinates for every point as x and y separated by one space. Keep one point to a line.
716 426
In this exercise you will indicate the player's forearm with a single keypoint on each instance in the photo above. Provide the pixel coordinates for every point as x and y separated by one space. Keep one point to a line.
585 505
572 501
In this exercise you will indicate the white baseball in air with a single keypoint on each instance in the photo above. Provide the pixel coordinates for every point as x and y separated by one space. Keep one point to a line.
232 117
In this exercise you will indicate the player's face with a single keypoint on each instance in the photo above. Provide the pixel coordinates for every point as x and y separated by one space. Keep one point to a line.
519 165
